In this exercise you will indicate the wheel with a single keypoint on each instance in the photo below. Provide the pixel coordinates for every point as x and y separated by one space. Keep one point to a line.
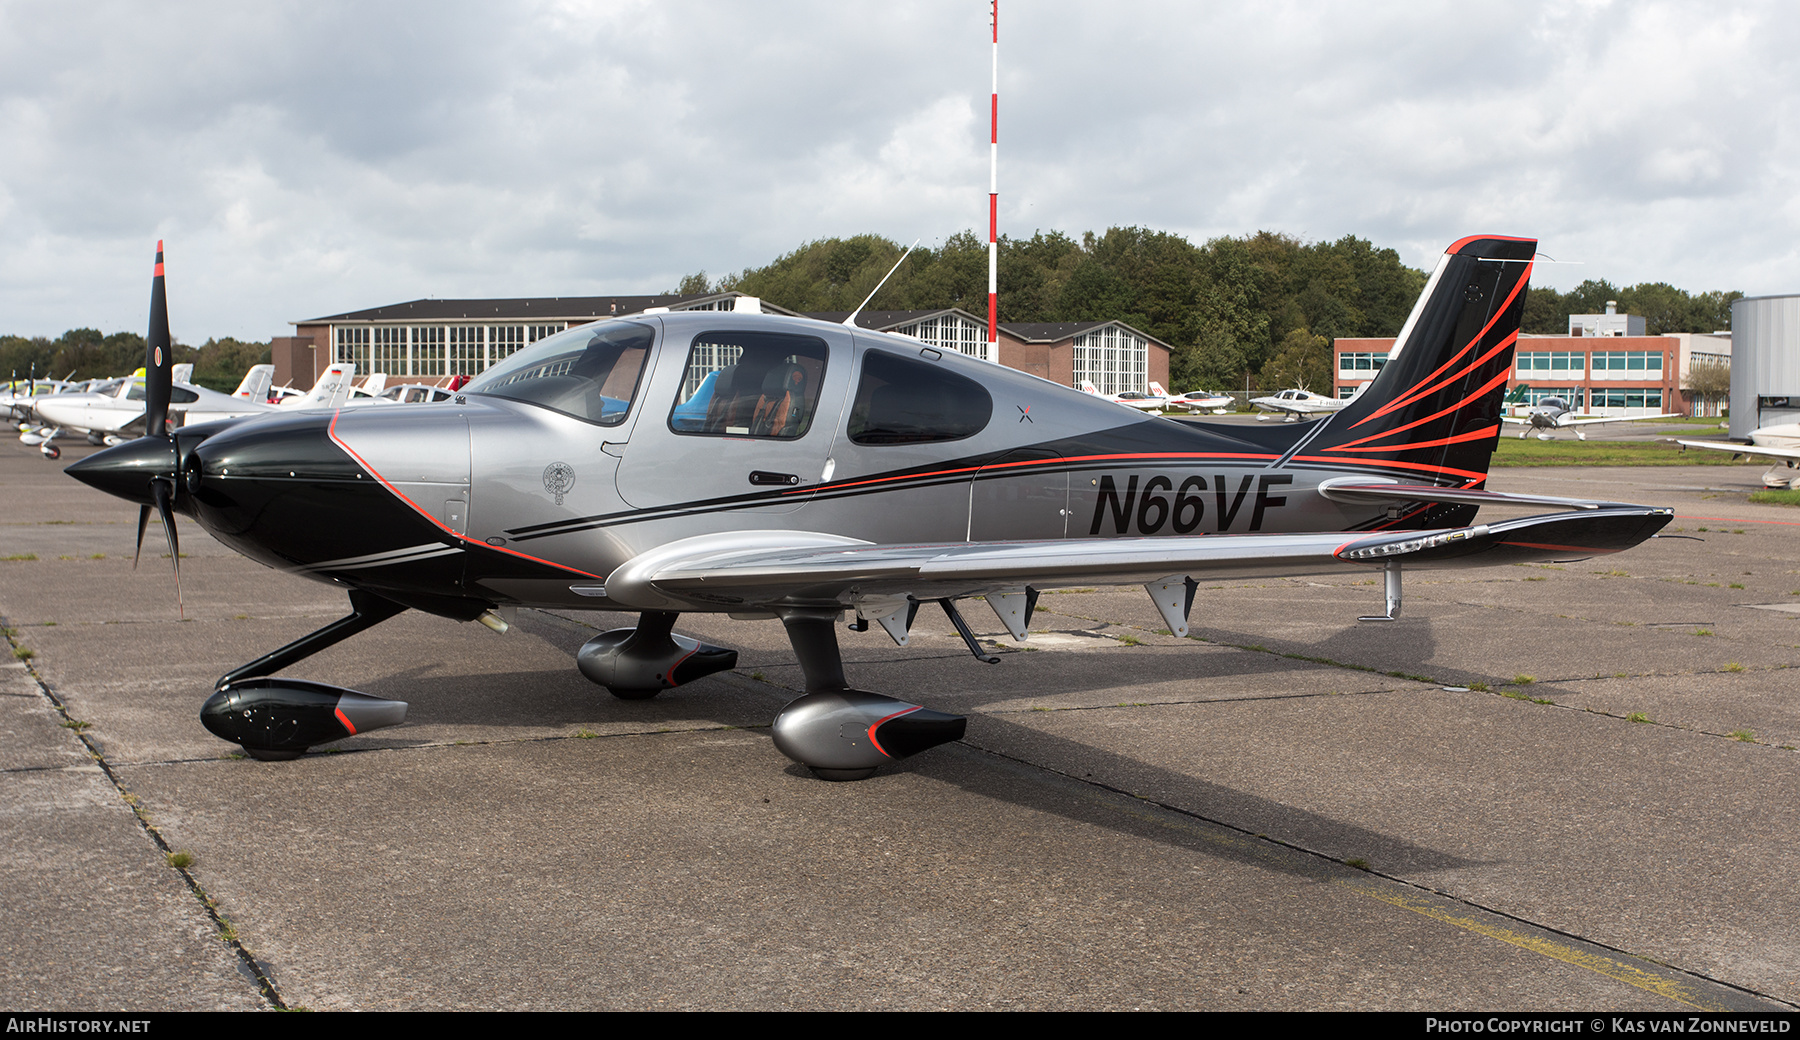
633 695
52 452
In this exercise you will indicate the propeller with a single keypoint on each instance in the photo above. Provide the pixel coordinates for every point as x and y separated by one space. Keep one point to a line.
158 357
158 381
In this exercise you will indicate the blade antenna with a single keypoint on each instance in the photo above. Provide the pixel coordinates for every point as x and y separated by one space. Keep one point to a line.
851 320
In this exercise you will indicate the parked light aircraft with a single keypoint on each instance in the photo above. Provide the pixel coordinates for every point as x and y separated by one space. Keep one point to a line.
1553 413
833 470
1203 401
106 416
1154 401
1780 444
1298 403
416 393
16 397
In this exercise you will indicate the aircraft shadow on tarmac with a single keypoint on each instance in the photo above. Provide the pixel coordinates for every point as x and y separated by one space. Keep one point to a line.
1001 759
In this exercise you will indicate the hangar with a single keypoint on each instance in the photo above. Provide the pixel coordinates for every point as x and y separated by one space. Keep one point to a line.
1765 383
437 340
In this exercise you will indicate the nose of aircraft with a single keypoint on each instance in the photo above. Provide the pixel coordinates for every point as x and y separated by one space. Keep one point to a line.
127 470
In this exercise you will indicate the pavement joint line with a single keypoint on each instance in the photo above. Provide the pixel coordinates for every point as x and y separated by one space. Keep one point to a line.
1579 952
247 962
1276 697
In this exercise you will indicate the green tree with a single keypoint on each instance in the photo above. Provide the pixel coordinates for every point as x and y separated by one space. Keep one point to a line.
1303 360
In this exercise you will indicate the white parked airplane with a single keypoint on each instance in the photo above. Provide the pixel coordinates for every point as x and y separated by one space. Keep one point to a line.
1554 413
1154 401
1298 403
117 415
1779 444
1202 401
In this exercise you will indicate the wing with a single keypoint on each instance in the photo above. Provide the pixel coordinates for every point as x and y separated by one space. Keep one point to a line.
753 571
1626 418
1783 454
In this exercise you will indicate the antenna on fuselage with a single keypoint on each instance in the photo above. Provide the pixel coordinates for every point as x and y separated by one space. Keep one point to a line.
851 320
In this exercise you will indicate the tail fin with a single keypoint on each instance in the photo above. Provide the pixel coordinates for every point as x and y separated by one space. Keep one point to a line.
1433 413
255 386
1156 390
332 389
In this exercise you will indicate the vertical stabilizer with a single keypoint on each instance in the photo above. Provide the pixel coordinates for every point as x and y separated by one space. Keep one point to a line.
1433 414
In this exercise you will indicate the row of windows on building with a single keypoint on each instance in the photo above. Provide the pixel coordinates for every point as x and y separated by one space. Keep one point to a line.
1111 358
432 351
1595 398
1644 361
949 332
1531 362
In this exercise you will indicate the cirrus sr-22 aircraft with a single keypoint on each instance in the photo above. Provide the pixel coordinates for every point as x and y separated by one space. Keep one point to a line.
1554 413
831 471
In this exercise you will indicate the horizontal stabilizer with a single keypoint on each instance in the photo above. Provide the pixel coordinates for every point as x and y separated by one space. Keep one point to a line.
1359 491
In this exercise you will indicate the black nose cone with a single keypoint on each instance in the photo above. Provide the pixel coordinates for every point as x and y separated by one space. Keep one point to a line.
127 469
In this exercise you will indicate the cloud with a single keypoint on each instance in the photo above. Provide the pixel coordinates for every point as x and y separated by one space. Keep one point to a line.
304 158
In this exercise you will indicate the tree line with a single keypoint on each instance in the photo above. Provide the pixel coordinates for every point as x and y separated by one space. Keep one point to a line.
219 364
1261 310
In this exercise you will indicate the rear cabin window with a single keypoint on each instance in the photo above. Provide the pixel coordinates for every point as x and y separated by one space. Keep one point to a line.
750 384
903 401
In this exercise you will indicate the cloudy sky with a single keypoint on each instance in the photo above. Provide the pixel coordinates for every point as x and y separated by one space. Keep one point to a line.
312 157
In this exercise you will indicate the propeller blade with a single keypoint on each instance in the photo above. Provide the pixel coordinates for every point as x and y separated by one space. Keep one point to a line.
158 356
165 497
143 521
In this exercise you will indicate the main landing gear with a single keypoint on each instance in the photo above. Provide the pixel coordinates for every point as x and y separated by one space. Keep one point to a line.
837 732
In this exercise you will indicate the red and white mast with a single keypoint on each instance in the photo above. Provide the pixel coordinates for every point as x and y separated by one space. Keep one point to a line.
994 194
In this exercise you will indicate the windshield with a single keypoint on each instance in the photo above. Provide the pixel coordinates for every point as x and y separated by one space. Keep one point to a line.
590 372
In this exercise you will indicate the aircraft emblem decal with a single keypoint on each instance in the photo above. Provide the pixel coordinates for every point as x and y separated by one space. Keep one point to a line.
1024 412
559 478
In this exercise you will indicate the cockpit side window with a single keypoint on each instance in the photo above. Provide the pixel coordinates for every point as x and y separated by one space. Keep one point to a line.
589 372
903 401
750 384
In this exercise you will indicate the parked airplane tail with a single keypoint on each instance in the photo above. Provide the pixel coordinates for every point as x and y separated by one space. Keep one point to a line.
1156 390
255 386
331 391
1433 413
